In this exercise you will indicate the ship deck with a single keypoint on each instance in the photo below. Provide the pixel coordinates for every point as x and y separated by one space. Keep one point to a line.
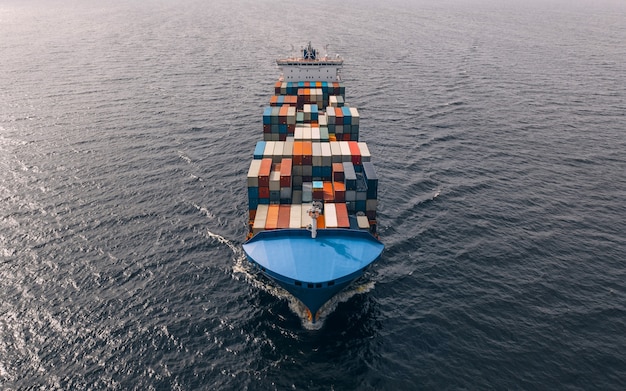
333 254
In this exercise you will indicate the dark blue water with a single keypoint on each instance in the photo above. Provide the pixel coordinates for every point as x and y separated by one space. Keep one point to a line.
498 130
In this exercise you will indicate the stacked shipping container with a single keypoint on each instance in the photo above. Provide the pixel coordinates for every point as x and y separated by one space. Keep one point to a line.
310 152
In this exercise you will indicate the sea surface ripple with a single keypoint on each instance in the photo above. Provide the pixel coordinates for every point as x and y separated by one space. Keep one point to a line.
498 132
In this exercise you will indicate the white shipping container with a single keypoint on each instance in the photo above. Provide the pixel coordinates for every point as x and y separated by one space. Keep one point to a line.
346 156
365 152
355 115
260 218
307 134
253 173
288 149
322 119
317 154
275 181
351 195
363 222
330 215
278 151
335 150
315 134
295 216
298 133
330 113
326 155
269 149
291 116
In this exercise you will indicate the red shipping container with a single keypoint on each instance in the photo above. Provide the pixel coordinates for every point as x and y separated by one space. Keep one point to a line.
338 174
355 152
264 192
285 172
264 172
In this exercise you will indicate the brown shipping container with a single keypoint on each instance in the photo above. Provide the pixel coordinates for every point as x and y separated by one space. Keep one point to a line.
339 191
284 213
342 215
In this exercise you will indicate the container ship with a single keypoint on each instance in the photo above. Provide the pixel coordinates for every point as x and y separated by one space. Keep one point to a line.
312 187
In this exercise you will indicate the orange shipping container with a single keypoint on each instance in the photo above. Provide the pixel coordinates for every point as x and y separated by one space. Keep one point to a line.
338 116
282 115
328 192
272 217
321 222
297 153
307 153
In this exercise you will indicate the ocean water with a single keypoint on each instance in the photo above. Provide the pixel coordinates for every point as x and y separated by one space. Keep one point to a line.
498 130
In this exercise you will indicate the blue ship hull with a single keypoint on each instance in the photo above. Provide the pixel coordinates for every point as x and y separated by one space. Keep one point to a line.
313 269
